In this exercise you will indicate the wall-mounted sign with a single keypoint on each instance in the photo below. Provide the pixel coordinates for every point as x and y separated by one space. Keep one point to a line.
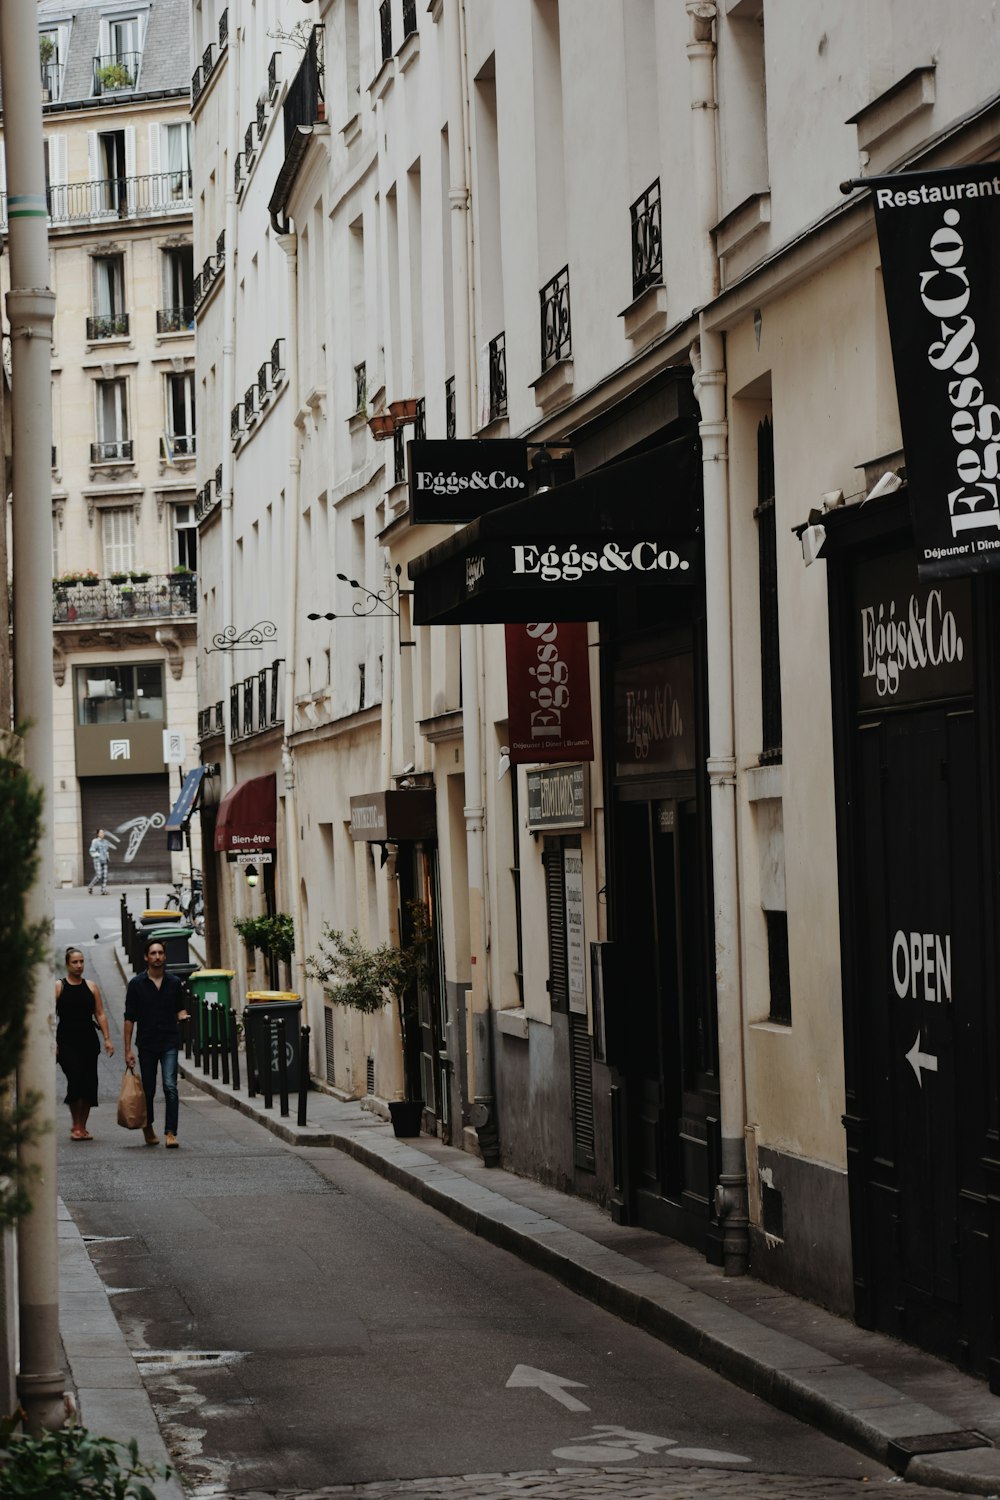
913 641
392 817
559 797
654 716
548 693
119 750
458 480
173 747
265 857
576 948
939 234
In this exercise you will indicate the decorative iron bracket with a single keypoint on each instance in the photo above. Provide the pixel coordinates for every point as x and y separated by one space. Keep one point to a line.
250 639
373 605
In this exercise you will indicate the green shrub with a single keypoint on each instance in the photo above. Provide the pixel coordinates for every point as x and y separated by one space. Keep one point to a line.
72 1464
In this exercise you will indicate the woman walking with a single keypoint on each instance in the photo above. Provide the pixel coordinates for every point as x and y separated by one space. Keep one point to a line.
80 1012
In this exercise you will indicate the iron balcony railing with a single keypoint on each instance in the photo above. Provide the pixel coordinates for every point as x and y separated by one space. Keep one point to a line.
109 198
409 17
261 116
385 28
175 319
498 377
647 244
450 416
238 172
277 364
263 373
360 386
206 501
130 597
557 342
249 404
195 86
117 452
107 326
52 76
399 456
183 444
254 703
272 77
420 420
236 420
224 28
211 721
218 481
116 72
301 106
249 146
220 251
207 63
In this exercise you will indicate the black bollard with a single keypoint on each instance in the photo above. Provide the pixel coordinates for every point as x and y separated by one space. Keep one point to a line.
233 1040
266 1063
215 1037
303 1073
253 1071
282 1067
186 1029
224 1015
206 1039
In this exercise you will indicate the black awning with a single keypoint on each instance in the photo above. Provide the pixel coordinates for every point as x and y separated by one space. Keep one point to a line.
563 554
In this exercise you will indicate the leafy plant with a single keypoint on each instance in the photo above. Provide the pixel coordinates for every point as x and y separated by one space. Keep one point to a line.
139 575
115 75
72 1464
117 577
46 48
366 979
23 946
65 580
181 571
272 935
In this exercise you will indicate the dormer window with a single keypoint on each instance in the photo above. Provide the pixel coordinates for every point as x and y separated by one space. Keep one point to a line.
50 56
117 65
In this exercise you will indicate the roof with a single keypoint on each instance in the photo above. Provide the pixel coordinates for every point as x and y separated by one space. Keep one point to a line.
166 51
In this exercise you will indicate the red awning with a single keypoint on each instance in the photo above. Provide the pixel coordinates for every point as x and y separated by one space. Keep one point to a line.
247 817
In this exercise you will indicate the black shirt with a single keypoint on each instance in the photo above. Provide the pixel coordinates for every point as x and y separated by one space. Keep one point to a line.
155 1010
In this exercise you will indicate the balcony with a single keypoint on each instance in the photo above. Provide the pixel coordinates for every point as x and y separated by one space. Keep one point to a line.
175 319
207 64
498 377
450 411
211 721
116 73
263 374
224 29
277 364
303 108
205 502
131 597
115 198
117 452
236 421
647 244
385 29
255 704
107 326
182 444
557 341
261 117
273 81
249 404
409 18
52 76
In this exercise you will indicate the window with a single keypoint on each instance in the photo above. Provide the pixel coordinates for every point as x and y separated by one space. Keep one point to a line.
112 422
767 545
116 66
177 312
185 537
110 320
180 414
118 539
119 694
49 55
777 968
178 160
113 170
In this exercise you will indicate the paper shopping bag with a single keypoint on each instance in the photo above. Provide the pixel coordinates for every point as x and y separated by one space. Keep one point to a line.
131 1102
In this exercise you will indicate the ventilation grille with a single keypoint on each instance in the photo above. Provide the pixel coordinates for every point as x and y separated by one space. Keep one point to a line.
582 1079
370 1085
328 1022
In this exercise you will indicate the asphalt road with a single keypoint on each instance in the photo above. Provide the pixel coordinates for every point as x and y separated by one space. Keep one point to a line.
302 1326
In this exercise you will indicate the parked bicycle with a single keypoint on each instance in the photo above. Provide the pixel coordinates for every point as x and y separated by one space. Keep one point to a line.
187 897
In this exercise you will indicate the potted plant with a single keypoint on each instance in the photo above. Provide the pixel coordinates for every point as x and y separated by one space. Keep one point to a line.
67 580
382 425
274 936
90 579
139 575
118 578
46 49
115 75
366 979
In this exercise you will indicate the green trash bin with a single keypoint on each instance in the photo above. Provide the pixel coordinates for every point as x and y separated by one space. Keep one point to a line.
263 1010
211 986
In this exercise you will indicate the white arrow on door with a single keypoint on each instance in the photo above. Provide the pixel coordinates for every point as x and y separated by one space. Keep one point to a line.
918 1060
552 1385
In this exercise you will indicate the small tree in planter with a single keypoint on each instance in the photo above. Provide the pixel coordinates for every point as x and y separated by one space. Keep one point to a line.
366 979
273 936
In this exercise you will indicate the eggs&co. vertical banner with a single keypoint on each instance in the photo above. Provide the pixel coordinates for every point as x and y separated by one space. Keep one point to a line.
939 236
548 693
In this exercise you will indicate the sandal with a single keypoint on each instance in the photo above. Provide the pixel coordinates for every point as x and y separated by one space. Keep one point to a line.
80 1135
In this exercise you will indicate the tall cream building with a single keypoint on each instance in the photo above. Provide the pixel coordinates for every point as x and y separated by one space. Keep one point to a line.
721 959
124 541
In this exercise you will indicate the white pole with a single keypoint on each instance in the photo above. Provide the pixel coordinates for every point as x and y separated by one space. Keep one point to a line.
30 309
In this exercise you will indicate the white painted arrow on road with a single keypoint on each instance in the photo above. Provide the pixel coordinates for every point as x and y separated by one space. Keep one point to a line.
918 1060
552 1385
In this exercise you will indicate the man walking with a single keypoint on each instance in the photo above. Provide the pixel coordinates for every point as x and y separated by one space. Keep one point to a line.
155 1001
100 852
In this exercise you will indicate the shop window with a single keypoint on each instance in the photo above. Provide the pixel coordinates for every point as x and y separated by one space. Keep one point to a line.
115 694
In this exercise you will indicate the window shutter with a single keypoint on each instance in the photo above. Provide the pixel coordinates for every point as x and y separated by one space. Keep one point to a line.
582 1084
129 150
555 906
155 154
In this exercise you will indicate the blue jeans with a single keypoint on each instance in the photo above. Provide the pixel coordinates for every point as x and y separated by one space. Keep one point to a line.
166 1060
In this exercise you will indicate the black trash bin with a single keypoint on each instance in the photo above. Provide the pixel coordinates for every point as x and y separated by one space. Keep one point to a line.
175 942
260 1020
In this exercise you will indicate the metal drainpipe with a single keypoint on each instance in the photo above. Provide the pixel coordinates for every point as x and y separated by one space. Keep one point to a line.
288 243
479 1030
708 359
240 893
30 310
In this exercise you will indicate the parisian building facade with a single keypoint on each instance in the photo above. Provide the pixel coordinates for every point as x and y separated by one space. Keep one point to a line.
117 141
554 531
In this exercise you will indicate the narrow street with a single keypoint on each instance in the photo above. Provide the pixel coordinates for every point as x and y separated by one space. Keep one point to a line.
305 1328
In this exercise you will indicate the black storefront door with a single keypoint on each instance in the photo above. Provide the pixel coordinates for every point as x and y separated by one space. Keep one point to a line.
921 912
668 1061
914 725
